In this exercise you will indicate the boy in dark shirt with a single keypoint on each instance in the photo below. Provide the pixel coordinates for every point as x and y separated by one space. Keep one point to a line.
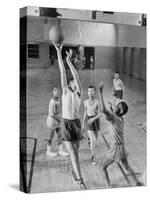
117 152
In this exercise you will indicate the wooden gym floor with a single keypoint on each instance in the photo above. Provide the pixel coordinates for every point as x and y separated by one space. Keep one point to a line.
51 174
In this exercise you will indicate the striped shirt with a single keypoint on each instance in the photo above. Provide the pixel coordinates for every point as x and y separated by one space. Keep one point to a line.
117 129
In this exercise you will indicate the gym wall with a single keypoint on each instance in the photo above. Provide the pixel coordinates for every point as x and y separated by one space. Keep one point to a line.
117 47
131 51
105 57
101 36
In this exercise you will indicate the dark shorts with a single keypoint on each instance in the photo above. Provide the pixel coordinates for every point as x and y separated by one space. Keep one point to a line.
71 130
95 126
118 94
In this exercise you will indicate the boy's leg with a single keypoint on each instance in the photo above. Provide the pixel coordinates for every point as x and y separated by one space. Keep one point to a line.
74 158
130 170
73 148
59 142
49 144
76 147
105 165
92 136
51 135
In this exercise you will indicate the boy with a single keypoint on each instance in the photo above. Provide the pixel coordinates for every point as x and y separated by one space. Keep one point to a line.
53 122
117 152
118 88
71 101
92 114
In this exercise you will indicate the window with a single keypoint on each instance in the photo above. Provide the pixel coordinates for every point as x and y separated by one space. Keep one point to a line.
33 51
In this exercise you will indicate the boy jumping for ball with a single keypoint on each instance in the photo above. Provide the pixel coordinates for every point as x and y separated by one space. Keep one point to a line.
117 152
71 101
92 116
53 122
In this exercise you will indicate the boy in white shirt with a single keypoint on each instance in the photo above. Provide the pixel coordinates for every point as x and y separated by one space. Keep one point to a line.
71 102
53 122
118 88
92 116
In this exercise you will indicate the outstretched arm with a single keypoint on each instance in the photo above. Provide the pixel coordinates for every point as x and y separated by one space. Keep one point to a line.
104 109
110 106
113 89
84 117
73 71
61 66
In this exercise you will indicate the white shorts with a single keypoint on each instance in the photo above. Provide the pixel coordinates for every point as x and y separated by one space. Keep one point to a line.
52 123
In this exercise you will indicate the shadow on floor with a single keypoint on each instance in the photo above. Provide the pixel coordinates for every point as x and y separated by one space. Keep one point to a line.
14 186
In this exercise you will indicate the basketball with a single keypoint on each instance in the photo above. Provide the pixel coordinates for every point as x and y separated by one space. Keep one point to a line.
56 34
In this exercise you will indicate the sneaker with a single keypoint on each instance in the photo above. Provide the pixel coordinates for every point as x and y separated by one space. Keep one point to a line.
73 176
139 184
93 160
51 154
63 153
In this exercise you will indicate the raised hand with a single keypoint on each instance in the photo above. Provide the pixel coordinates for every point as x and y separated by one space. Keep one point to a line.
109 103
58 46
90 121
69 54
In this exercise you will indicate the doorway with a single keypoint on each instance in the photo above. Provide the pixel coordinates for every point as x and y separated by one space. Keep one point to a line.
89 53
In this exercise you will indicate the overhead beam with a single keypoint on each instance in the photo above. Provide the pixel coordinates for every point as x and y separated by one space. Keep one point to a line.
123 18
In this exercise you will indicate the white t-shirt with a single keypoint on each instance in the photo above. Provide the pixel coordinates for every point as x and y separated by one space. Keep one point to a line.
118 84
92 110
54 107
71 102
